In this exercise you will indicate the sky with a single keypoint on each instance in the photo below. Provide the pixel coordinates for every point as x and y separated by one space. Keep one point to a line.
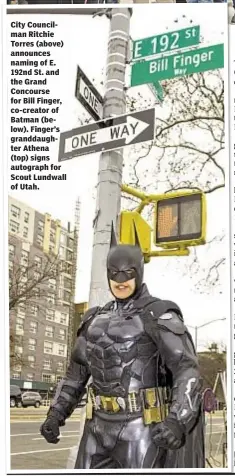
85 41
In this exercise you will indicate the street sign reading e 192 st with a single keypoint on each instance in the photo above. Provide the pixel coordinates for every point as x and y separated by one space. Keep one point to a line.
178 64
108 134
166 42
88 95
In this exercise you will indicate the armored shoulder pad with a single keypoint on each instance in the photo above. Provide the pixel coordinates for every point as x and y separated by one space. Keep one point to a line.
87 316
160 307
108 306
173 322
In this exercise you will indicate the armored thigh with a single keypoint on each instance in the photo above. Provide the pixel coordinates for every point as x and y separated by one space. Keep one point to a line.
136 449
89 450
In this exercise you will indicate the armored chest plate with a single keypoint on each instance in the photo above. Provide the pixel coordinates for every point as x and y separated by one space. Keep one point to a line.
116 326
118 350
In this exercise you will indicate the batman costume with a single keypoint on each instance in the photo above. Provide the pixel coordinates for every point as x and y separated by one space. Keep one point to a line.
144 406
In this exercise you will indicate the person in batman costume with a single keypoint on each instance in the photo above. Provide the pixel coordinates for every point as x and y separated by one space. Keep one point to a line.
144 405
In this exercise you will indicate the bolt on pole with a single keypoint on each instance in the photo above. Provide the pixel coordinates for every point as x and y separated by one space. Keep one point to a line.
108 202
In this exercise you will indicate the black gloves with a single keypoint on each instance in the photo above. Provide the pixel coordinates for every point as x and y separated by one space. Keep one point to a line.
50 429
168 434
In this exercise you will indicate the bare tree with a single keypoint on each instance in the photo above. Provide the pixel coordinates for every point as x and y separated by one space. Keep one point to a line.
211 362
15 357
28 285
28 281
187 153
189 136
197 110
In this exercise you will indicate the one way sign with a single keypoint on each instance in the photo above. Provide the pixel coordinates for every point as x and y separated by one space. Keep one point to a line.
109 134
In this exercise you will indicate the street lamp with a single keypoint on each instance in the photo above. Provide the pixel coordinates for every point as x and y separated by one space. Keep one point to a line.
203 325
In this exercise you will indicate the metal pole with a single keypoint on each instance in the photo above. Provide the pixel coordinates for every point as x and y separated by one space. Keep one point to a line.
223 383
196 329
110 166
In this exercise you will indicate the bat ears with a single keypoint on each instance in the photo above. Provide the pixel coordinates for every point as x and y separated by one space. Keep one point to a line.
113 238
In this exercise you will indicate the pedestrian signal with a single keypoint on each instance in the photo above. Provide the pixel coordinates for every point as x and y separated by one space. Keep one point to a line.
180 219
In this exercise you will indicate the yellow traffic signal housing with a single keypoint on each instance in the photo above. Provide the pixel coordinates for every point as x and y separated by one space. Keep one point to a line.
127 234
180 219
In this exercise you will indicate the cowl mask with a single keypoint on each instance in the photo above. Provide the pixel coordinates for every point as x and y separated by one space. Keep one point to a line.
125 262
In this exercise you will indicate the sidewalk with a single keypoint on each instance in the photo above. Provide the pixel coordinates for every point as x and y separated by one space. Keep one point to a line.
36 414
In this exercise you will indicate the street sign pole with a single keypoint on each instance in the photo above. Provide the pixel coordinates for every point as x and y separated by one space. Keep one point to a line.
110 166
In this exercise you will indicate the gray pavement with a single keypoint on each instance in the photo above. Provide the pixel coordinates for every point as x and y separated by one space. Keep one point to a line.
37 414
30 451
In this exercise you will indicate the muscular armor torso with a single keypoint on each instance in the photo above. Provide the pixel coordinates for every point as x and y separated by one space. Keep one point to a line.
130 347
138 343
120 354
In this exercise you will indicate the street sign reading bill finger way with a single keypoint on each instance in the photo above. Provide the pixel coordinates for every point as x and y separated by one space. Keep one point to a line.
109 134
179 64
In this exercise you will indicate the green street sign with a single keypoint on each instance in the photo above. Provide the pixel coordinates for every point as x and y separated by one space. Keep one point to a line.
166 42
180 64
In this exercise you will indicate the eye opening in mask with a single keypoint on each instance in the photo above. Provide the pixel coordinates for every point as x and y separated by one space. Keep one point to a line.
113 272
130 271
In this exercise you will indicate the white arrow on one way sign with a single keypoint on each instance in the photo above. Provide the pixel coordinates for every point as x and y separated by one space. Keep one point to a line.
108 134
128 131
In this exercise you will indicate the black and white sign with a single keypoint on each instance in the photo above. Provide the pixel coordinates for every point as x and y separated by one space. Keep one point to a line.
88 95
109 134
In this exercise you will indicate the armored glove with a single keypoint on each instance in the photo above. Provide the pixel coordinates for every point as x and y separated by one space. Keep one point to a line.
168 434
50 429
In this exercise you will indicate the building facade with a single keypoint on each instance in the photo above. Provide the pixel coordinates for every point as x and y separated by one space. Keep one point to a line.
42 274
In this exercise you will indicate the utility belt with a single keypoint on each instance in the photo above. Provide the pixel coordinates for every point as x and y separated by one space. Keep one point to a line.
151 402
